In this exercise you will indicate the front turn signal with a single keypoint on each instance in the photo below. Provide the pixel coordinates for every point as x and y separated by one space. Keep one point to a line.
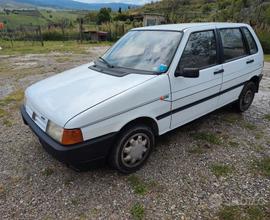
72 136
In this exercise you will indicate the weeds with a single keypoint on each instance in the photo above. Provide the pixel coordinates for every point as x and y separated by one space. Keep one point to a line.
263 166
209 137
221 170
137 211
138 185
243 213
267 117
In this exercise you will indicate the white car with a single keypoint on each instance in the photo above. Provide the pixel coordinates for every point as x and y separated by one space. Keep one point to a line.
153 80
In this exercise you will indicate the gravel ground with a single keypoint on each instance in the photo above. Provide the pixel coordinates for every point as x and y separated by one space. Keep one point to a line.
195 171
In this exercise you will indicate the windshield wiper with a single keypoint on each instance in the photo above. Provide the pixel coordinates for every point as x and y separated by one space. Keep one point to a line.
106 62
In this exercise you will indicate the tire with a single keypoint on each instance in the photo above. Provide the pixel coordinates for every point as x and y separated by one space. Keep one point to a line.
132 149
246 97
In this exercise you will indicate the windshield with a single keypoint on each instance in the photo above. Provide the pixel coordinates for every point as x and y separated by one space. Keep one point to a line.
144 50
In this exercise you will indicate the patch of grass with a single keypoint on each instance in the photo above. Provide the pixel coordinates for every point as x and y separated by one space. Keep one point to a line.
196 150
249 126
232 118
75 201
259 135
94 211
21 47
255 212
139 186
229 213
221 169
7 123
233 144
14 97
47 171
267 117
267 57
63 59
208 137
259 148
263 166
2 113
243 213
137 211
82 216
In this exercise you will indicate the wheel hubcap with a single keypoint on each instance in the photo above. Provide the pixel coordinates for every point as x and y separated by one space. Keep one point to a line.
135 149
248 97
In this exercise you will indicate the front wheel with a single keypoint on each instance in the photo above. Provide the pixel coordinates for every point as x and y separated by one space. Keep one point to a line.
246 97
132 149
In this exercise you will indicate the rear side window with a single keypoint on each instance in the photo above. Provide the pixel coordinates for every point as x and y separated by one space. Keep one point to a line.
200 51
251 42
233 44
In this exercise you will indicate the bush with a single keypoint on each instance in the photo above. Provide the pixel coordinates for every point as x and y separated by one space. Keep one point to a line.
57 35
265 41
52 35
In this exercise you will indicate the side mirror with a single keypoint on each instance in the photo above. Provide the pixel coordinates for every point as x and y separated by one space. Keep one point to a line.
189 73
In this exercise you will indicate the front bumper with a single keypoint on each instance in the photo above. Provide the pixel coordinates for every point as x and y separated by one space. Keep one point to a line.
93 151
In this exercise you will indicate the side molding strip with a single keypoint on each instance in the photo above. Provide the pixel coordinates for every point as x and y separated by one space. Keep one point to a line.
197 102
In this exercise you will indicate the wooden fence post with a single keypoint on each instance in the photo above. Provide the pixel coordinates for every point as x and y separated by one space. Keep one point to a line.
40 36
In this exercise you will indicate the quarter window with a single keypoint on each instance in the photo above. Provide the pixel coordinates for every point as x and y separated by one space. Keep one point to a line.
200 51
233 44
251 42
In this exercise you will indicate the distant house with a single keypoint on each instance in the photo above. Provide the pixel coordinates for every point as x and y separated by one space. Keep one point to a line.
95 35
150 19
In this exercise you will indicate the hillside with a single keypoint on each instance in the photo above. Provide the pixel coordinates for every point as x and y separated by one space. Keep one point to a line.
15 18
256 12
61 4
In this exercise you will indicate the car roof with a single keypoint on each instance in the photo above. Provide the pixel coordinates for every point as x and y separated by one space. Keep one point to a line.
184 26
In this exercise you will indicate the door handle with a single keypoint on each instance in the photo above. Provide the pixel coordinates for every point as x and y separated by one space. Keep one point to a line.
250 61
219 71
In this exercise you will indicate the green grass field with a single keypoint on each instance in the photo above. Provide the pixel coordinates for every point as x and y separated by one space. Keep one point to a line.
60 15
14 21
42 17
21 47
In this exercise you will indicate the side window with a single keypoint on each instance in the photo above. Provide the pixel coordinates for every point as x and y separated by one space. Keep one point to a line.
251 42
233 44
200 51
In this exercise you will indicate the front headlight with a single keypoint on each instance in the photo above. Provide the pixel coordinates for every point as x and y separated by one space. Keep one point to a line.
64 136
55 131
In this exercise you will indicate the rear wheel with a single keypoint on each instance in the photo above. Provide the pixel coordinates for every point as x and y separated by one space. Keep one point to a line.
246 97
132 149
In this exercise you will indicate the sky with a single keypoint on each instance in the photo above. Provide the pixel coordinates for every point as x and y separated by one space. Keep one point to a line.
135 2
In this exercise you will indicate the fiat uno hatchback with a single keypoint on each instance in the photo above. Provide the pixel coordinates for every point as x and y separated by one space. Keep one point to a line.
153 80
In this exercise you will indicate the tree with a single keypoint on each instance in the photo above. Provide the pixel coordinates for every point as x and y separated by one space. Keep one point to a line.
120 10
104 15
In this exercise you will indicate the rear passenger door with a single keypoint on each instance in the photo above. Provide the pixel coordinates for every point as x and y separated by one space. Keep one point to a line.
253 60
238 62
194 97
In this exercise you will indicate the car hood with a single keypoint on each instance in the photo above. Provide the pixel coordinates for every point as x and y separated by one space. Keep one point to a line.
65 95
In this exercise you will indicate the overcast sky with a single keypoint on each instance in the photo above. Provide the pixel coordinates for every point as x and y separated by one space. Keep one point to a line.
135 2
